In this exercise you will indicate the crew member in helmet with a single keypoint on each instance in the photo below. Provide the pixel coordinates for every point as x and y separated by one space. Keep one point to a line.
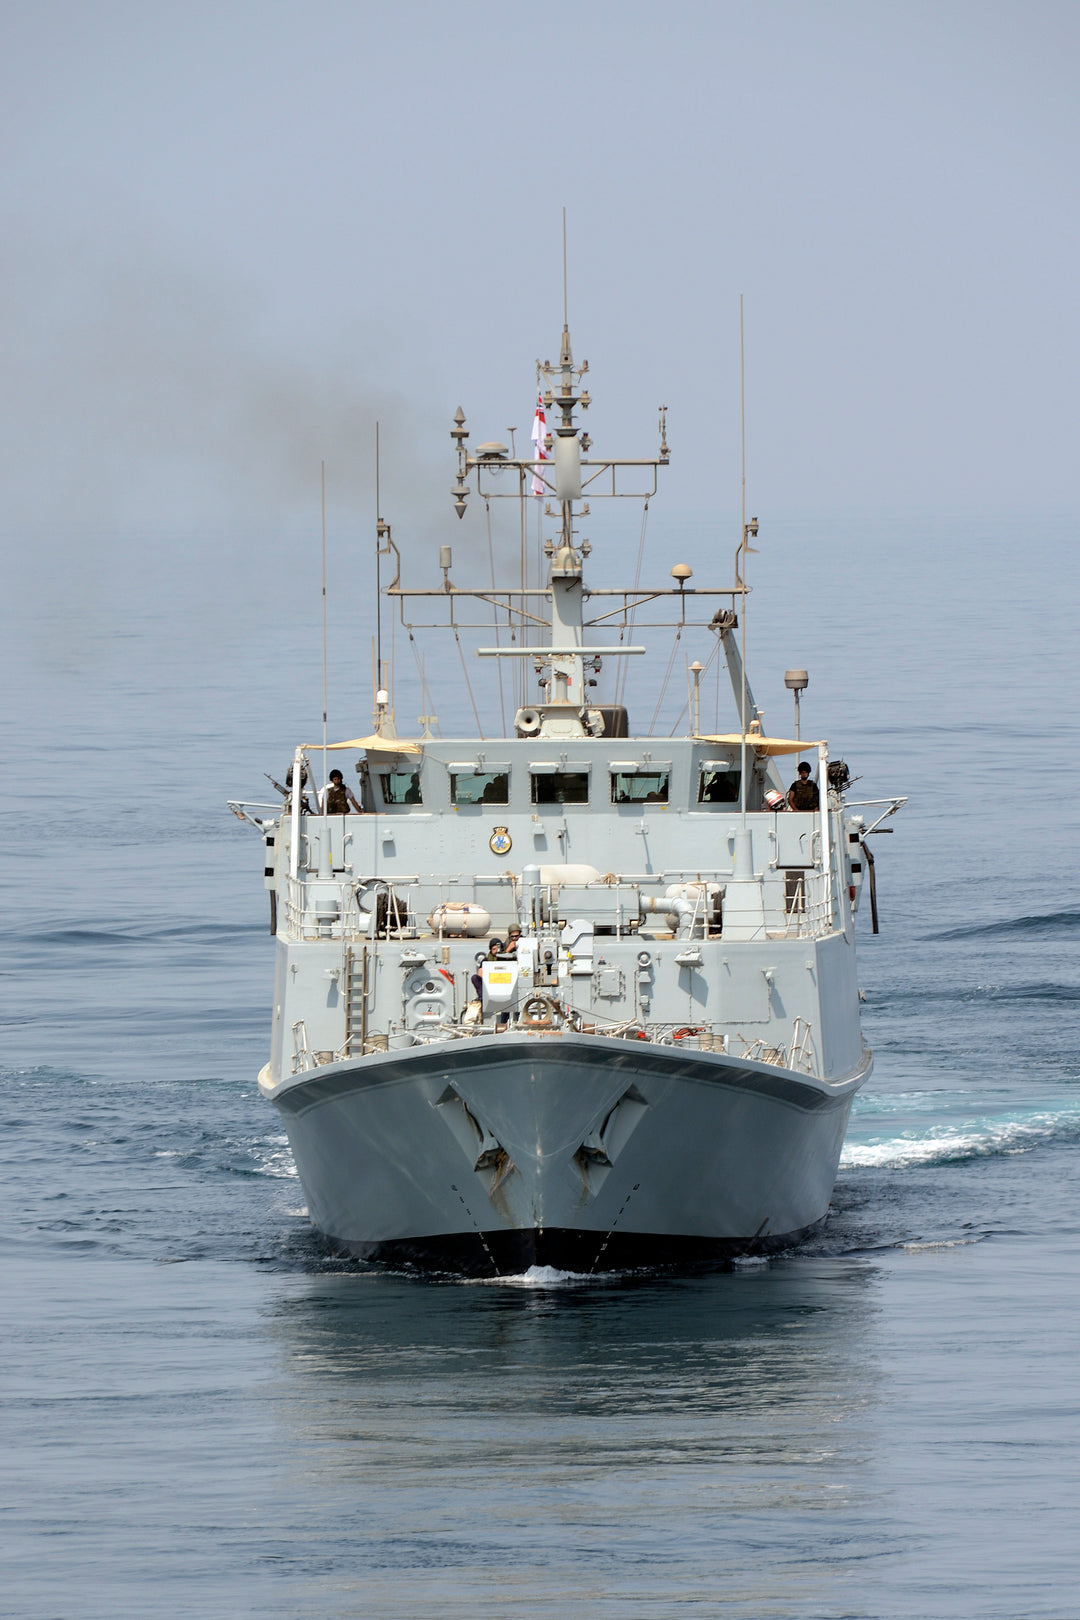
305 808
335 798
803 793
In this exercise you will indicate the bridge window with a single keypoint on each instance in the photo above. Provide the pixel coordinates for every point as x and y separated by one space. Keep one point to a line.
479 787
639 787
400 787
719 784
560 787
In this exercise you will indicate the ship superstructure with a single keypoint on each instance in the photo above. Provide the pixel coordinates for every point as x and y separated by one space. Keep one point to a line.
572 996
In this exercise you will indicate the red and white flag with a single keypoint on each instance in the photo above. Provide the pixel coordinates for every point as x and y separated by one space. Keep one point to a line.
539 434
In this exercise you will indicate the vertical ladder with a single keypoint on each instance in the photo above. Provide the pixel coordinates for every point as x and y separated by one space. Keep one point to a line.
356 992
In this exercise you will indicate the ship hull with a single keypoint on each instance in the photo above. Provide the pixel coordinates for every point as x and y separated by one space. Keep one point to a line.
499 1253
489 1155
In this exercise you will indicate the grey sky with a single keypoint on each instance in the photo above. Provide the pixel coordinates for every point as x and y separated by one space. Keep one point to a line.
236 233
231 228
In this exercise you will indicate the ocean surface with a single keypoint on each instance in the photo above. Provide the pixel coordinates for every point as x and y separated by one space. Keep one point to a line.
205 1414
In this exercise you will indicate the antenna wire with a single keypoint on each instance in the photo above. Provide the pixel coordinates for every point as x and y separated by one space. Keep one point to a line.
322 487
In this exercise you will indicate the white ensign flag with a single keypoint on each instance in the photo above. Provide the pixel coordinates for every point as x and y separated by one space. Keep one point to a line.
539 434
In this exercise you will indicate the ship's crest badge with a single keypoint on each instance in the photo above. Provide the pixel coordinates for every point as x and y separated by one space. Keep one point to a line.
500 841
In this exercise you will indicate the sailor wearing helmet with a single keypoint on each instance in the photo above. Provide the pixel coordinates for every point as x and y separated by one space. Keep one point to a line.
803 793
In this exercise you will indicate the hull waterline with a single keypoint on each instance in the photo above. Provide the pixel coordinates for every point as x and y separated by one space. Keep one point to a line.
582 1153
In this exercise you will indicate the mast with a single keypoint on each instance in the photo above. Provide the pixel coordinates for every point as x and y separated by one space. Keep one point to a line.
567 668
573 619
564 711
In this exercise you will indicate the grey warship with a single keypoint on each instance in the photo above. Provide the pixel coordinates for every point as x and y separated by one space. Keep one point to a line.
575 996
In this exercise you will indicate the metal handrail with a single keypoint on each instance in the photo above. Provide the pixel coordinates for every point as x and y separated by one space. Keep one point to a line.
303 1056
807 914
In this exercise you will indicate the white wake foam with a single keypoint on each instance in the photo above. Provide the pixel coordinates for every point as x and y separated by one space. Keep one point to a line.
538 1277
972 1139
943 1243
273 1157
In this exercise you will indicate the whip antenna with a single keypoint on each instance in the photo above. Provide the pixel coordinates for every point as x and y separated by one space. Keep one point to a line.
378 582
322 483
741 570
748 529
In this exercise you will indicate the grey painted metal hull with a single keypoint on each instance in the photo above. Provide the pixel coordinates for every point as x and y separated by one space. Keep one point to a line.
484 1156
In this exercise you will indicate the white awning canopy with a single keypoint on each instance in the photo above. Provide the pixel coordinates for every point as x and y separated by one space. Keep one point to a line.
372 745
763 745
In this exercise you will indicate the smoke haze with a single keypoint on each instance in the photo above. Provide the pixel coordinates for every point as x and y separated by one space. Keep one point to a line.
235 235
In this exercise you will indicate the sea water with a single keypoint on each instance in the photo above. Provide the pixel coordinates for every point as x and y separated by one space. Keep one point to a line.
204 1413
